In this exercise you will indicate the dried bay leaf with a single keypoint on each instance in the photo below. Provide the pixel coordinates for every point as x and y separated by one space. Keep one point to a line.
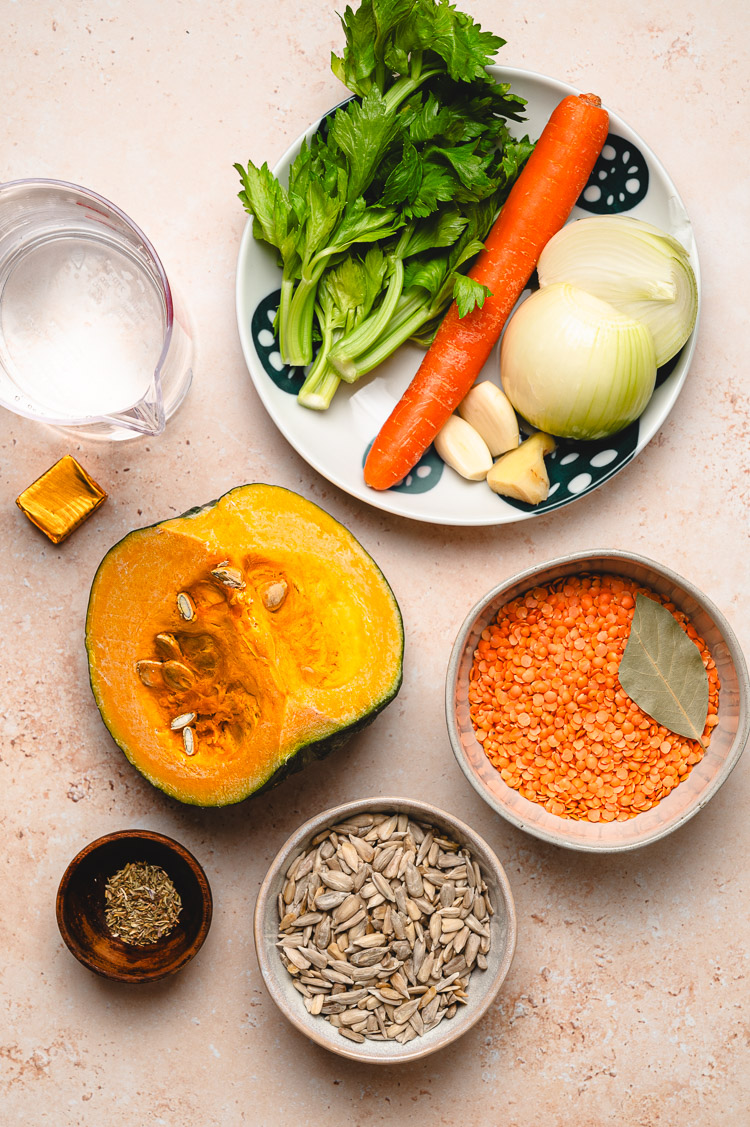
662 670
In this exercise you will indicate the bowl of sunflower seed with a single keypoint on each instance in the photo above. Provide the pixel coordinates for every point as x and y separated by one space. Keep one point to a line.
384 929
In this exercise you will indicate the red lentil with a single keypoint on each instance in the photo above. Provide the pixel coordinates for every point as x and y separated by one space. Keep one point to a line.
549 711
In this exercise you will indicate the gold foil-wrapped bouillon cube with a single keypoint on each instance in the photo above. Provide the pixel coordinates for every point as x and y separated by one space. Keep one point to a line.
61 499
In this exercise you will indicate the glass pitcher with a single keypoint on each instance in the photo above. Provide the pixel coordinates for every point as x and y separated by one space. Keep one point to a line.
91 334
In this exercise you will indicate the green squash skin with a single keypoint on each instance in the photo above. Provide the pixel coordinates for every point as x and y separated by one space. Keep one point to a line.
299 757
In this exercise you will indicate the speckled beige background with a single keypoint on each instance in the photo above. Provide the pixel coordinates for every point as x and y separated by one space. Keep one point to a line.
628 998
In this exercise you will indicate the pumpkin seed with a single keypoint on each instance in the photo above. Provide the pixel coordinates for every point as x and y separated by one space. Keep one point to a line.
150 673
188 741
168 647
185 606
274 595
177 676
182 721
229 576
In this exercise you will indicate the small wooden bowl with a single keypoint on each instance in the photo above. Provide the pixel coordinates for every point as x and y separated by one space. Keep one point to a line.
80 907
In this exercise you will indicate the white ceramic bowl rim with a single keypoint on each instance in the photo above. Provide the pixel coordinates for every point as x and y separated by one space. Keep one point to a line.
375 1052
595 560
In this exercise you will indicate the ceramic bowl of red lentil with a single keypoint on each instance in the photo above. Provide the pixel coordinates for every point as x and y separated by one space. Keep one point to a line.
542 728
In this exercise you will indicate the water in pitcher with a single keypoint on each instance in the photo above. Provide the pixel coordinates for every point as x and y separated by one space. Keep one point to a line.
82 323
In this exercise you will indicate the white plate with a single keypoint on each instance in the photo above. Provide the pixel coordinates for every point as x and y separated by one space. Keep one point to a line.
628 178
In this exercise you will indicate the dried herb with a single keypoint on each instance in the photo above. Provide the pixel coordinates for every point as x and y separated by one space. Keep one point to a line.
141 904
662 671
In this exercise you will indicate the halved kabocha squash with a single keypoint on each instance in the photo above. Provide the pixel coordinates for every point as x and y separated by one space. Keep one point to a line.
231 645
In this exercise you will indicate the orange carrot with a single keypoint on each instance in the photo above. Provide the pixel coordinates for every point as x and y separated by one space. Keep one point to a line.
538 205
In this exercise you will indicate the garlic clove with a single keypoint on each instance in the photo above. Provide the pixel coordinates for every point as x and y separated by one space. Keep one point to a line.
521 473
491 413
463 449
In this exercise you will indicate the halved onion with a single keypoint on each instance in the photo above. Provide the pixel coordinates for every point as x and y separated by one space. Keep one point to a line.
575 366
638 268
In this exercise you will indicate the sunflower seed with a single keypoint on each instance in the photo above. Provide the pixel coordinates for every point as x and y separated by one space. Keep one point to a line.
375 939
359 917
413 880
402 1013
387 827
347 908
383 886
296 958
424 847
471 950
367 958
401 949
351 1017
460 939
325 901
429 1013
315 1004
309 918
338 881
350 855
425 971
363 848
455 965
315 957
382 859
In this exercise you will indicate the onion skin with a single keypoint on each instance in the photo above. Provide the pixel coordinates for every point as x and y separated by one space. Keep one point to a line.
575 366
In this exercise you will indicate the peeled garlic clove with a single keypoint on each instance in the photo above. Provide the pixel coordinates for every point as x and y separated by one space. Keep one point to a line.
463 449
521 473
491 413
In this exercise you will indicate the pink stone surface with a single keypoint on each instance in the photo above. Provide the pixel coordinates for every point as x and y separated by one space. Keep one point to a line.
628 997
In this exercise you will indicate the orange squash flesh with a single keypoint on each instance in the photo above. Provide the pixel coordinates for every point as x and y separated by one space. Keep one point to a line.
273 672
